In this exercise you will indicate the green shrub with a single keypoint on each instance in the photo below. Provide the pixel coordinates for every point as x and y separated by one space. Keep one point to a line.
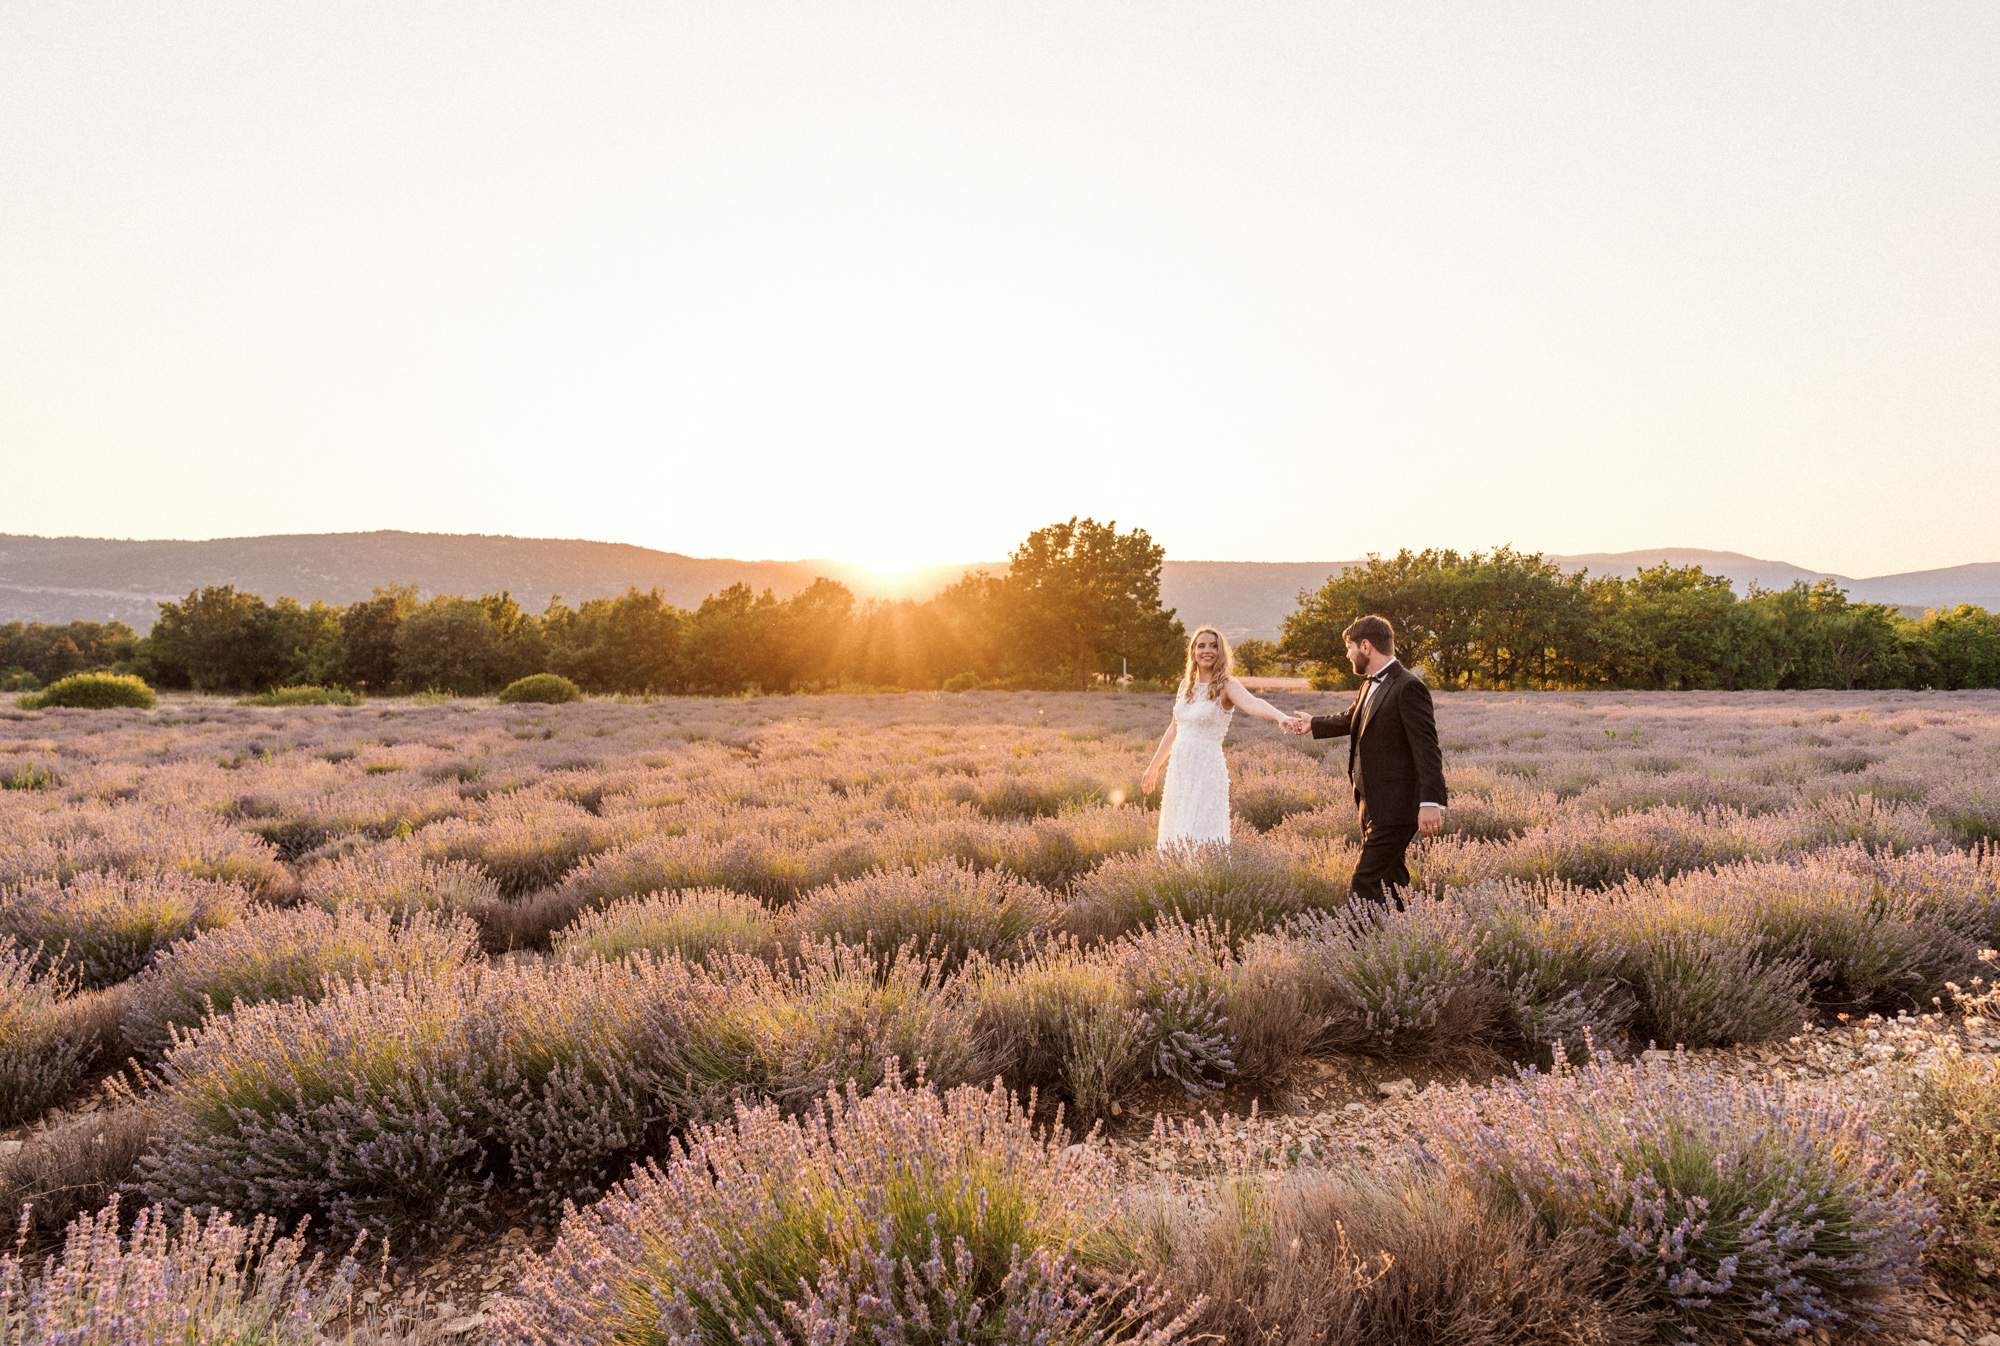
94 691
550 688
19 680
304 695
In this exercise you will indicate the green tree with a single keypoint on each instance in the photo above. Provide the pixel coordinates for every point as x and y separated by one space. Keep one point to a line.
1664 628
1497 619
1524 611
216 639
467 645
632 643
809 637
1832 642
51 651
368 636
729 639
302 644
1961 647
1080 596
1255 658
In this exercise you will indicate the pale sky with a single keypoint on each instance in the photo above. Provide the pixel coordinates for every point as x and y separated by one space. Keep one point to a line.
899 282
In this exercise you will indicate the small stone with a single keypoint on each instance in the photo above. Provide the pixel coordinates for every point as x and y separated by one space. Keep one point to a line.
456 1242
491 1282
1396 1088
514 1235
460 1326
1357 1107
1653 1056
1990 1339
10 1148
1116 1110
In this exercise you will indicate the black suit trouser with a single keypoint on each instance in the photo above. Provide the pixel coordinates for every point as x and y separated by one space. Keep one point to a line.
1382 866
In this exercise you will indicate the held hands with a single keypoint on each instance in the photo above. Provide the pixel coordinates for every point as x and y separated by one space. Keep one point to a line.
1301 723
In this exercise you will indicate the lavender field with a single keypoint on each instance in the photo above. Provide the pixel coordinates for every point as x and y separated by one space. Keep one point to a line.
721 989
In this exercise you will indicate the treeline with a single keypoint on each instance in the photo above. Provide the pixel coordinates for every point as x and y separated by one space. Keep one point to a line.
1505 619
1080 605
1080 602
33 654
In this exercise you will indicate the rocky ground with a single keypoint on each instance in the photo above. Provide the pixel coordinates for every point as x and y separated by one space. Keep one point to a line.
1342 1113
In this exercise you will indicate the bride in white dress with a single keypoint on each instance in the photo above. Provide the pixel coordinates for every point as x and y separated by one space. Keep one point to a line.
1195 810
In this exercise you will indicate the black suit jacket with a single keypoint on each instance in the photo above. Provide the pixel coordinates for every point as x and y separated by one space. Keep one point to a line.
1392 756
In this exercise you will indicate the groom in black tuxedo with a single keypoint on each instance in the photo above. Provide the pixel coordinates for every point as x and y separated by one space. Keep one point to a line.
1392 757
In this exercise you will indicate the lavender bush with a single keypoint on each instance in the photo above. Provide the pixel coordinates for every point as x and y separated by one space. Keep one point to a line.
593 1066
105 927
366 1105
837 1013
1869 947
167 1284
877 1217
1177 978
282 953
1245 887
1704 977
1397 981
1726 1201
43 1055
945 909
59 843
525 843
69 1169
690 924
1351 1259
1061 1022
1556 956
398 878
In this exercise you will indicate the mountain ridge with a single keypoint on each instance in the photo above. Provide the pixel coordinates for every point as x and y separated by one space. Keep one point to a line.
63 579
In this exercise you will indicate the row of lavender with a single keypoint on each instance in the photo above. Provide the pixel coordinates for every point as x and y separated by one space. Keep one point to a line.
1610 1204
740 910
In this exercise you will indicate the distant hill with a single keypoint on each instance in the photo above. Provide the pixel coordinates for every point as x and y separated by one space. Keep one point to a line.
64 579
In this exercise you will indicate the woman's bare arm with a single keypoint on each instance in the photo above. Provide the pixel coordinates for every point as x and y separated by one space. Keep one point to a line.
1254 706
1160 755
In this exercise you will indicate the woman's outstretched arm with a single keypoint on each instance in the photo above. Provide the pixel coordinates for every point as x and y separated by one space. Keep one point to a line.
1254 706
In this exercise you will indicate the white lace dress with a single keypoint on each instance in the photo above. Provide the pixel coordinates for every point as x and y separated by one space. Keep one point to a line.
1194 810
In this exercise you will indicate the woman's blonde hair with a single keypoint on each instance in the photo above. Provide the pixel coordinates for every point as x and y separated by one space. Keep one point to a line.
1218 680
